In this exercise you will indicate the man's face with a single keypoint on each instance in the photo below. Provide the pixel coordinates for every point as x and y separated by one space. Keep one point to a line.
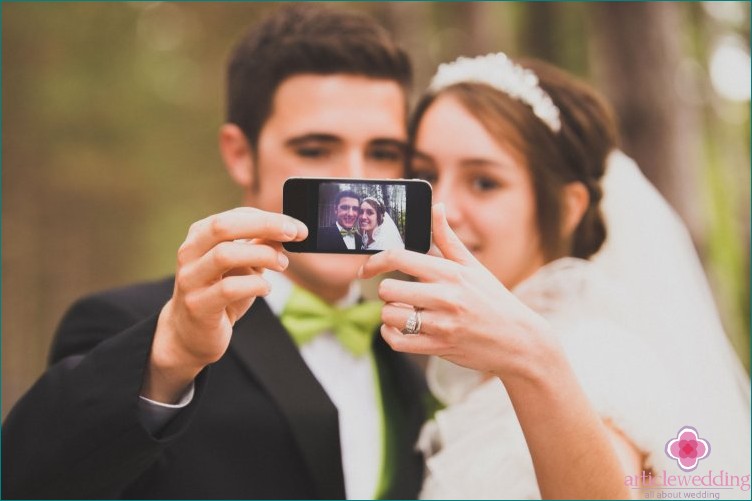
329 126
347 212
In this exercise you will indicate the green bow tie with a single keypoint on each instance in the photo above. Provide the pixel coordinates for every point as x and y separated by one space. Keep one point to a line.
344 233
305 316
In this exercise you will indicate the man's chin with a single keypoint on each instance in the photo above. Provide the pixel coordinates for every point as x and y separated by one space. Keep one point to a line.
325 271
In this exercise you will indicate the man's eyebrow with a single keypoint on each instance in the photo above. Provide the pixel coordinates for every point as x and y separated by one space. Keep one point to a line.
312 137
388 141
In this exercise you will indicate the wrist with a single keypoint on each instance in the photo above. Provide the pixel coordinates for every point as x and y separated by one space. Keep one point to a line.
540 363
170 370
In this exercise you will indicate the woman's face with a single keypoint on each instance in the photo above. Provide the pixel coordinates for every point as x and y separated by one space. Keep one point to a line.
486 188
367 217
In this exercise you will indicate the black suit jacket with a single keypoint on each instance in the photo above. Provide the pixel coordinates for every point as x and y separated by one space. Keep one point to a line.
259 426
329 238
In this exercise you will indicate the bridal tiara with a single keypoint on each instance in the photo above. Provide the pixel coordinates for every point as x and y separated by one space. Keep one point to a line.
500 72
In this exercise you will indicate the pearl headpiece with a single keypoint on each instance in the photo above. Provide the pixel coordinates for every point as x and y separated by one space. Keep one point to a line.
500 72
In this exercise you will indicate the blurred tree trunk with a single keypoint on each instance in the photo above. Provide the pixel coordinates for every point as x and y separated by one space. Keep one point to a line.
638 54
409 23
538 32
474 17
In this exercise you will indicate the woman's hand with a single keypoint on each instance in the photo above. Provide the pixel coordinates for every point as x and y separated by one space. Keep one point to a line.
468 316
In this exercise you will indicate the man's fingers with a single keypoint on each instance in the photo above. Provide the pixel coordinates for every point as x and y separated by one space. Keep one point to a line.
230 289
239 223
227 256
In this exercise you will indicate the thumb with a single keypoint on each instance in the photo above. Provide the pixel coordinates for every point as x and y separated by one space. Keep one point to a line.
446 240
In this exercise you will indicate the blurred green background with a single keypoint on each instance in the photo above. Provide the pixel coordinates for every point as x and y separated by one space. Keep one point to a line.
110 114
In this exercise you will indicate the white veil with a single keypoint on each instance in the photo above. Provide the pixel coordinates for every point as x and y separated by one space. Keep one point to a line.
650 254
386 236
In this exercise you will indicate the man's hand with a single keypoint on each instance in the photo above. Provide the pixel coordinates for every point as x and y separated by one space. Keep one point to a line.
218 277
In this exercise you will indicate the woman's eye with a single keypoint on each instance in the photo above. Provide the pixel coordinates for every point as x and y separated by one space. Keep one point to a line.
485 184
387 155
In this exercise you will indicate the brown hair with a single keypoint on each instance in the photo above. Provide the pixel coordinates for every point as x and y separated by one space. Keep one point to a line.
577 152
378 207
306 39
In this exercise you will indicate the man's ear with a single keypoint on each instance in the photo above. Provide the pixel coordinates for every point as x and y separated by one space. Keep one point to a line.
237 155
576 199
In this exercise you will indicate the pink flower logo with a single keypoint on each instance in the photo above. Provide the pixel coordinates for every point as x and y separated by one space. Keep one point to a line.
687 448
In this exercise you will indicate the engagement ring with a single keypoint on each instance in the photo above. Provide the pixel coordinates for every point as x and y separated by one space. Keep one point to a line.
412 326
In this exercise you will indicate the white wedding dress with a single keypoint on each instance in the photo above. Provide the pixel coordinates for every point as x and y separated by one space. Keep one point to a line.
647 374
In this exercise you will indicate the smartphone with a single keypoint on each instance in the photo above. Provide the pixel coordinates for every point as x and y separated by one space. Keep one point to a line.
359 216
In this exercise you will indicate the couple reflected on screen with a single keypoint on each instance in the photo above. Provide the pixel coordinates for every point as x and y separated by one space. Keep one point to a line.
361 223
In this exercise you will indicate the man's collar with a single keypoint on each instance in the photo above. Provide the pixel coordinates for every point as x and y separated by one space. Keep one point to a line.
341 229
282 288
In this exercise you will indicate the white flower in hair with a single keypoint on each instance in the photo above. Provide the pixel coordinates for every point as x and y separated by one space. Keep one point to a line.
500 72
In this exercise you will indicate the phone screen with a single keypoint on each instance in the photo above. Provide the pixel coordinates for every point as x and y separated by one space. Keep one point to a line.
359 216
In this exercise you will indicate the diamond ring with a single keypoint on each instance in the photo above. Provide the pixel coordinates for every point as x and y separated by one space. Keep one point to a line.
414 322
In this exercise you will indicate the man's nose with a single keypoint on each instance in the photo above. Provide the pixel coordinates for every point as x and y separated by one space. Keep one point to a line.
355 163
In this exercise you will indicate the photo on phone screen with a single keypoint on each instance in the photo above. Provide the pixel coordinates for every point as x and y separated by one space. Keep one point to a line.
358 215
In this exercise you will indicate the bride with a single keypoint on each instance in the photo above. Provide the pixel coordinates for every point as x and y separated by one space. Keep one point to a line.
377 228
568 295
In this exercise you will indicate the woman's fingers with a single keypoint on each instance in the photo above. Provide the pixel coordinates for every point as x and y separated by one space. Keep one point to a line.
418 294
397 316
418 344
444 260
426 268
446 240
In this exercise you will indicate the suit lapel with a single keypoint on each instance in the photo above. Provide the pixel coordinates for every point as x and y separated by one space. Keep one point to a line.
403 393
265 348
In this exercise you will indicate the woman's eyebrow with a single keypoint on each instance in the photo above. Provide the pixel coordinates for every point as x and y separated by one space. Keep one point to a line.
483 162
424 157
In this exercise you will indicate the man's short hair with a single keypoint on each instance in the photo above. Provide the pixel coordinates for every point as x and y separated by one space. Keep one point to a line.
345 194
306 39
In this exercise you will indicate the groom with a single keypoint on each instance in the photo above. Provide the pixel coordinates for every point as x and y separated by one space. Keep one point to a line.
343 234
214 383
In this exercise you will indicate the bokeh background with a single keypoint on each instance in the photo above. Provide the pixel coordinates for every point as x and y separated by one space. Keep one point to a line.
110 114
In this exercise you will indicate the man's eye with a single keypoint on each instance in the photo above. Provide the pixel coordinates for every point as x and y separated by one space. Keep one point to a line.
312 152
387 155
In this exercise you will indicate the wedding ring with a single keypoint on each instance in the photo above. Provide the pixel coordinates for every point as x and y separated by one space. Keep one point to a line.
414 322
